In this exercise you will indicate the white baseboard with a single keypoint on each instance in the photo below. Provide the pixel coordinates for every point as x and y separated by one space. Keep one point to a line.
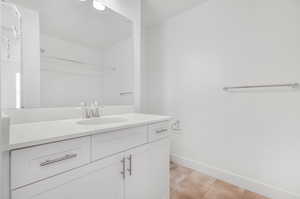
241 181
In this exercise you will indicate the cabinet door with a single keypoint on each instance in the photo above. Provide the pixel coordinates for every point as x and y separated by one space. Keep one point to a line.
159 169
136 185
101 179
149 177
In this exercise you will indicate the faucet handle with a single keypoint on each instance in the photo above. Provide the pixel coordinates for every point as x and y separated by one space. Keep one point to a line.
84 110
96 108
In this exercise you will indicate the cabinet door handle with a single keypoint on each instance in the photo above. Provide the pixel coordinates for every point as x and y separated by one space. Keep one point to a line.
66 157
130 165
123 168
161 131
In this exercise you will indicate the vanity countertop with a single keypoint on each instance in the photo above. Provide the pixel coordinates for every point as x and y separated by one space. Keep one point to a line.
31 134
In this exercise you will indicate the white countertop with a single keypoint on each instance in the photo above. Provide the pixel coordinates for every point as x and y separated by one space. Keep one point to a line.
30 134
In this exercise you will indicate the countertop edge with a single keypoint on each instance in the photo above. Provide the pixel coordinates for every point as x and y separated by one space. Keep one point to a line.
12 147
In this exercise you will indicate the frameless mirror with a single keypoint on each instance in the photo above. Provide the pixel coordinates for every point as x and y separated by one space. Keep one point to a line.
76 53
11 45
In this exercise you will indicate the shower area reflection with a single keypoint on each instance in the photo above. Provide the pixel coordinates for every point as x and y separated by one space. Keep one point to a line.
11 55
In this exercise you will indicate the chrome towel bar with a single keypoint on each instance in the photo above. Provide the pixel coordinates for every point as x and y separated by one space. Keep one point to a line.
291 85
126 93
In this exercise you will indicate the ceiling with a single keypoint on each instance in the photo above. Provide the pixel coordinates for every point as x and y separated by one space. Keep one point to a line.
79 22
156 11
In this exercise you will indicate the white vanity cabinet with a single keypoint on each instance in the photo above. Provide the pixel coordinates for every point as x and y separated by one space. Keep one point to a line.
100 179
148 171
123 164
33 164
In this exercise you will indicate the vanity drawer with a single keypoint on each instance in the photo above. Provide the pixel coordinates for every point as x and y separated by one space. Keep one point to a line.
33 164
113 142
158 131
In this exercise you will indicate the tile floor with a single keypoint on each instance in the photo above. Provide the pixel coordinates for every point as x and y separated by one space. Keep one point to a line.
188 184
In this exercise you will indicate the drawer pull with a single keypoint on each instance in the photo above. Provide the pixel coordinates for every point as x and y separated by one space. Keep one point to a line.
130 165
123 168
66 157
161 131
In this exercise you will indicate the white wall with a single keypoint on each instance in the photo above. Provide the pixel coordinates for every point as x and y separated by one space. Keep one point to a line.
191 57
66 83
118 63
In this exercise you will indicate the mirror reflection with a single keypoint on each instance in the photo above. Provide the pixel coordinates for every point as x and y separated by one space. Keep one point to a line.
72 52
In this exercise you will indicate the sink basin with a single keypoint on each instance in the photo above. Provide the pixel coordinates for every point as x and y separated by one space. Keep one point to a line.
99 121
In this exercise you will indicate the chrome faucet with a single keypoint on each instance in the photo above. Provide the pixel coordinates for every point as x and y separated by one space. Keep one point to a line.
91 111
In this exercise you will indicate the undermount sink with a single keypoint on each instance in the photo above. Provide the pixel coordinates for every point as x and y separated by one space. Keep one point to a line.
99 121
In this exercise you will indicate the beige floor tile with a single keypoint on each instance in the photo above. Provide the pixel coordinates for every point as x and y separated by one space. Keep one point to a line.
217 194
200 179
223 190
221 185
186 195
186 183
192 189
178 195
251 195
178 174
179 170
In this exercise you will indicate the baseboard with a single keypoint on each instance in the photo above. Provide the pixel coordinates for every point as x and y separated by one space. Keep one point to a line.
241 181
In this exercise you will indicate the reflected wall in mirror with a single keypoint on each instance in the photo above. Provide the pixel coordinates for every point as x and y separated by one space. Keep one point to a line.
76 53
11 41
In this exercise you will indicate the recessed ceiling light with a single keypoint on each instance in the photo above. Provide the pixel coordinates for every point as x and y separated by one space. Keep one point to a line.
98 5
